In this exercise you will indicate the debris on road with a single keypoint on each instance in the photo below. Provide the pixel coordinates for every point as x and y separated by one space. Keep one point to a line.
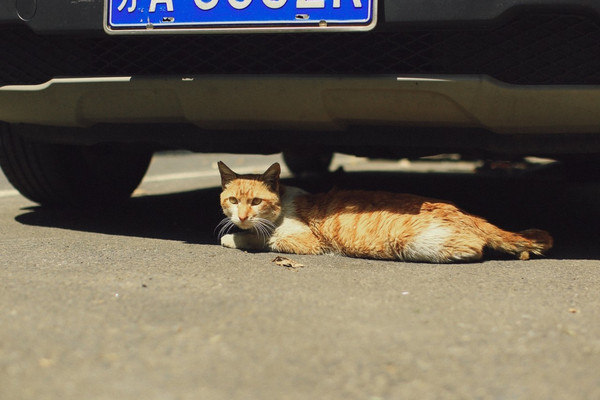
287 263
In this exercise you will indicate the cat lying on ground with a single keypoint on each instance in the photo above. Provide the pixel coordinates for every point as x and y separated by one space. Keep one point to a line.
377 225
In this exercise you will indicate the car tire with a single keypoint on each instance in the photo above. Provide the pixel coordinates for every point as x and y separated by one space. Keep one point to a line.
307 164
71 175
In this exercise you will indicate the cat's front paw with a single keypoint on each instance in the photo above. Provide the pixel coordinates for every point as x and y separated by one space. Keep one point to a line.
228 241
242 240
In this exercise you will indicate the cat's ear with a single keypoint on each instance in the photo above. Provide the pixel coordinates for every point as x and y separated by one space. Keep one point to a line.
271 177
227 175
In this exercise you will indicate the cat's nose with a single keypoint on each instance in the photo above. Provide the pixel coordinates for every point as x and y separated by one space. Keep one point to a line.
243 218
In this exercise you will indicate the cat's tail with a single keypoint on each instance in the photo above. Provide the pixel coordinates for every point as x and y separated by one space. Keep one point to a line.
521 244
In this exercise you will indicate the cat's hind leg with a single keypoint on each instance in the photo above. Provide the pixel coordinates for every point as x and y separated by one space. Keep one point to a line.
465 254
442 244
464 247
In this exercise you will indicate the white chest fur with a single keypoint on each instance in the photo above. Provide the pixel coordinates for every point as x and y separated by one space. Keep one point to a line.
289 223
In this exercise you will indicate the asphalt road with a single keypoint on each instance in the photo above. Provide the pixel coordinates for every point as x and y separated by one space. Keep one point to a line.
141 303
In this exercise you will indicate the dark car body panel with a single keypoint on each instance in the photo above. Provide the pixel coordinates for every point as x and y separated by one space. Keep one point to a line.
55 16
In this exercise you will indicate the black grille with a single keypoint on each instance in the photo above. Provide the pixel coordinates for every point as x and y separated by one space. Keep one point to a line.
530 49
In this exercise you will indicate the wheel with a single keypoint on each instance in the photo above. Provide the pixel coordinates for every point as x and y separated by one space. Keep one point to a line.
69 175
307 163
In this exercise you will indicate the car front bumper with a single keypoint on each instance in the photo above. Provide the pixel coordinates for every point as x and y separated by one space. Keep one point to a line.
317 103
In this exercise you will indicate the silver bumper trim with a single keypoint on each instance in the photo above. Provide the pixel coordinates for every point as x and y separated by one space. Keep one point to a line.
324 103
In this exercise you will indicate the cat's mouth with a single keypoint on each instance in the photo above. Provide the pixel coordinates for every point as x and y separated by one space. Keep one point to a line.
247 224
263 227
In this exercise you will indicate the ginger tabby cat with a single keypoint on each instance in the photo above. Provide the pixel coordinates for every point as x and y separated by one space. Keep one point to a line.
377 225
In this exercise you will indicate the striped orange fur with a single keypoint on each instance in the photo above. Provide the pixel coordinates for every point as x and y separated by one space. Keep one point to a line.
378 225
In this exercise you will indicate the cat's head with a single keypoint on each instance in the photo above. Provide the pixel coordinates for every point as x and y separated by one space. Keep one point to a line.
250 200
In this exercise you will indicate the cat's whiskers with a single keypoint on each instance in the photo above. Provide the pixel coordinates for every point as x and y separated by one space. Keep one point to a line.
263 228
224 227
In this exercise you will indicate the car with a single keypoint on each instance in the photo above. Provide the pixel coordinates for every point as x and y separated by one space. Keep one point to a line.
89 90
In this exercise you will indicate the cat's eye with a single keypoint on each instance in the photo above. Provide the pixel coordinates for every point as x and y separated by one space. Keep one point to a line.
256 201
233 200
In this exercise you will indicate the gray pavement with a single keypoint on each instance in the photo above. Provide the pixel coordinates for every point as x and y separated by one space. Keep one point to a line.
140 302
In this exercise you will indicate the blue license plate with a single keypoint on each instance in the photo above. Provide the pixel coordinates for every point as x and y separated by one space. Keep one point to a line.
155 16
